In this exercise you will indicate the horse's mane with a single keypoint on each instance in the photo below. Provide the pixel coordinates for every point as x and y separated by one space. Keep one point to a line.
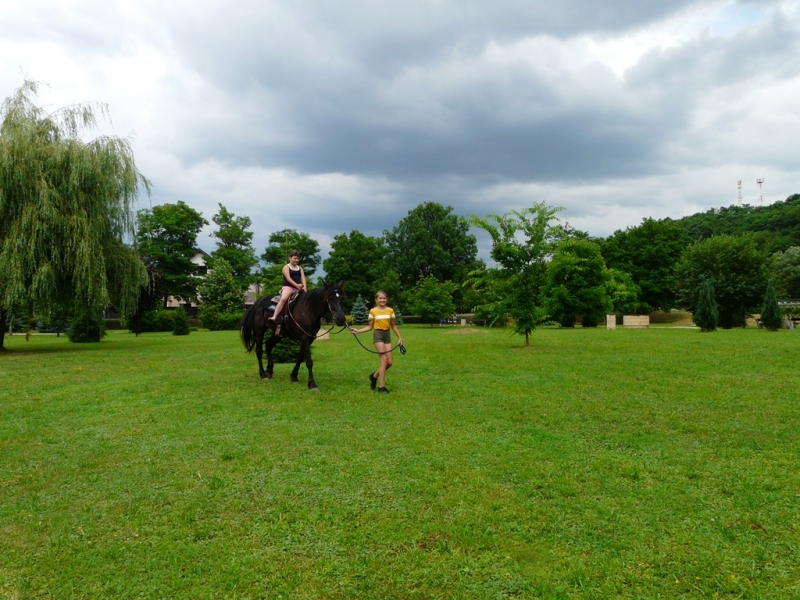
312 300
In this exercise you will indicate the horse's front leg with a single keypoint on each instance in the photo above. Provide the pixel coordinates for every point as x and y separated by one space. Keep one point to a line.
300 356
270 362
312 385
305 354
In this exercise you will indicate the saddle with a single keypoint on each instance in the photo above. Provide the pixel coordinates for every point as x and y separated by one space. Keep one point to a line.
273 304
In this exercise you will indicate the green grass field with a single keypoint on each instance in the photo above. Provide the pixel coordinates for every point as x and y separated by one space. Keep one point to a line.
660 463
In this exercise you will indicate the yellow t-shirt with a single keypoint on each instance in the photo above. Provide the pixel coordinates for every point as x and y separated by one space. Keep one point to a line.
381 318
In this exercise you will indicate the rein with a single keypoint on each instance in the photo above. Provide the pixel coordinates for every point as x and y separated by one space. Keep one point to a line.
291 316
399 345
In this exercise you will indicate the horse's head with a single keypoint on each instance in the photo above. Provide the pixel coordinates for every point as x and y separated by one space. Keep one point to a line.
334 294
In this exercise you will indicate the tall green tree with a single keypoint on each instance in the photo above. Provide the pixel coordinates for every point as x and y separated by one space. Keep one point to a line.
431 241
576 283
358 260
167 239
785 268
284 241
737 267
433 299
649 253
221 289
271 280
624 293
235 245
521 243
66 209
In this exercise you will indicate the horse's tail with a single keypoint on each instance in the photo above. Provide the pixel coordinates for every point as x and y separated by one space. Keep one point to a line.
247 330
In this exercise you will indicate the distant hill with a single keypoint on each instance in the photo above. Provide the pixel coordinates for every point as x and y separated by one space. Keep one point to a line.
775 227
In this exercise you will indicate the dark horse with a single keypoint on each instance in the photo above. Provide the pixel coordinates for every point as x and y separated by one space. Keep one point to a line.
301 321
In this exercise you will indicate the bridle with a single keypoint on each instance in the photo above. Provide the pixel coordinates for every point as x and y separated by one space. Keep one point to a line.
315 336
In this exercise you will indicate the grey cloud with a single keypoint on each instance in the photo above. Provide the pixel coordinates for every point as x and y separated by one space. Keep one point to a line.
405 92
770 50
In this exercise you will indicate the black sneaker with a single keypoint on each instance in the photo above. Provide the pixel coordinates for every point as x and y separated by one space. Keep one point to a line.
373 381
383 390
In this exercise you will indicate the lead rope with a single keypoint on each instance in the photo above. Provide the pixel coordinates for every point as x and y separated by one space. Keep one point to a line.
399 345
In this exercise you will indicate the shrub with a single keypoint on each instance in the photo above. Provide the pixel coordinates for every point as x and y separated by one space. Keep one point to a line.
88 327
567 321
180 322
285 351
229 321
153 320
590 320
211 318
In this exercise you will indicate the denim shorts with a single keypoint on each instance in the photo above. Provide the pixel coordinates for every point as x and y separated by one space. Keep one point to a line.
381 335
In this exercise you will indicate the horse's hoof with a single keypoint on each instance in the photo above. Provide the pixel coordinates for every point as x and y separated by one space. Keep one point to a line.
313 389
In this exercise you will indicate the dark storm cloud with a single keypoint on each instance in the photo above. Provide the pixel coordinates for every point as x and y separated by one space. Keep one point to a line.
366 90
309 114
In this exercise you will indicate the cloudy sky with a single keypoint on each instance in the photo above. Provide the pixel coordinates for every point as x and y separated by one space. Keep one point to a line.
331 116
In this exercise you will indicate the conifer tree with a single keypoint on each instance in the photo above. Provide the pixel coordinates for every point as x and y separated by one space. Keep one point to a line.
360 311
771 316
706 316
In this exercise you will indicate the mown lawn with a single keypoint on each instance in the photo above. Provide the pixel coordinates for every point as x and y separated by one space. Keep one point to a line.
660 463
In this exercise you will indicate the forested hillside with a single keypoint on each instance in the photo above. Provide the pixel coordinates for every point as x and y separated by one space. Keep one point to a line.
775 227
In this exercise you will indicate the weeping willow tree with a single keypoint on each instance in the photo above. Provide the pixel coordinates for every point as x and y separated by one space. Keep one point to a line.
66 211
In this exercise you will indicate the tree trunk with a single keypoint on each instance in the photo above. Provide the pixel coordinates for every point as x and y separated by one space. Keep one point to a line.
3 317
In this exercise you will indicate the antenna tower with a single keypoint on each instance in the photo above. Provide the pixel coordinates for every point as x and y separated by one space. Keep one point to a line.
760 181
739 185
